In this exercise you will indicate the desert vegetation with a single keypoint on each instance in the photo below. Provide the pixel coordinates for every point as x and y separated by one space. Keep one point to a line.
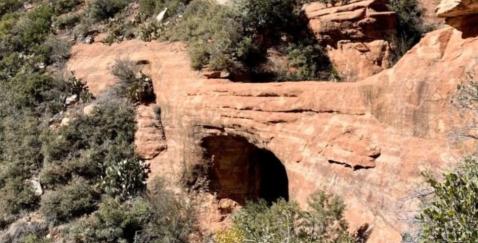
264 40
410 25
240 39
449 209
450 215
133 83
287 222
81 173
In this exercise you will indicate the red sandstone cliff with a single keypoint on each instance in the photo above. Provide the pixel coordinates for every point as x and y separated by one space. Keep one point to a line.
366 141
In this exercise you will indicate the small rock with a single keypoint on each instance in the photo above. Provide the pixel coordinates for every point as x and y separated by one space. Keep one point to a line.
65 121
89 109
212 74
28 6
36 187
161 15
70 100
227 205
89 39
225 75
216 74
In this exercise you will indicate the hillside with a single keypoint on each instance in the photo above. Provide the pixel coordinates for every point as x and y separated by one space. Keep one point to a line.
169 138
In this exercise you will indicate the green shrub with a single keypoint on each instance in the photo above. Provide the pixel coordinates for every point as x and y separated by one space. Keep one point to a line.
160 217
10 65
82 29
150 31
123 178
133 84
260 15
286 222
69 202
112 123
53 174
36 91
104 9
113 222
119 29
32 28
67 21
451 216
308 60
64 6
9 6
26 232
6 24
33 238
173 217
98 147
237 37
20 146
17 196
212 32
58 51
410 26
79 88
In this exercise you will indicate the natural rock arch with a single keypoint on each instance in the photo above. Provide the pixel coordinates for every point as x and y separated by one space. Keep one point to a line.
241 171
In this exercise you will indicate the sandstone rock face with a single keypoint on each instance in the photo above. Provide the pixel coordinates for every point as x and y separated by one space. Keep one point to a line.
358 60
366 141
95 69
456 8
355 35
430 17
150 139
461 14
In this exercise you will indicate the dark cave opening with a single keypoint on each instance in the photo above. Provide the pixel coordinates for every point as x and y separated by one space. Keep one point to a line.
241 171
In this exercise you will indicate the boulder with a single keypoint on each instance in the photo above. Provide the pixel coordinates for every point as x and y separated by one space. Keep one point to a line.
89 109
460 14
161 16
36 187
356 35
71 100
457 8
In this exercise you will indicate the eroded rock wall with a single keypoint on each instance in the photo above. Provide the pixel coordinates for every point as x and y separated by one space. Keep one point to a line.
366 141
357 35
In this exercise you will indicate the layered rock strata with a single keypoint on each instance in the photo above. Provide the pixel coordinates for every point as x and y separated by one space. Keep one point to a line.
367 141
356 35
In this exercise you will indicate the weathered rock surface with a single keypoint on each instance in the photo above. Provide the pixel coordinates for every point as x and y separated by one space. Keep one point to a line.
456 8
461 14
430 17
366 141
150 140
356 35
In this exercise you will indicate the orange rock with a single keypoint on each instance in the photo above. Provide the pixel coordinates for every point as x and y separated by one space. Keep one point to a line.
149 138
429 17
395 123
456 8
355 35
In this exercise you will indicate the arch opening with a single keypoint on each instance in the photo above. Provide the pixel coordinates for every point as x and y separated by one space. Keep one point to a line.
241 171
